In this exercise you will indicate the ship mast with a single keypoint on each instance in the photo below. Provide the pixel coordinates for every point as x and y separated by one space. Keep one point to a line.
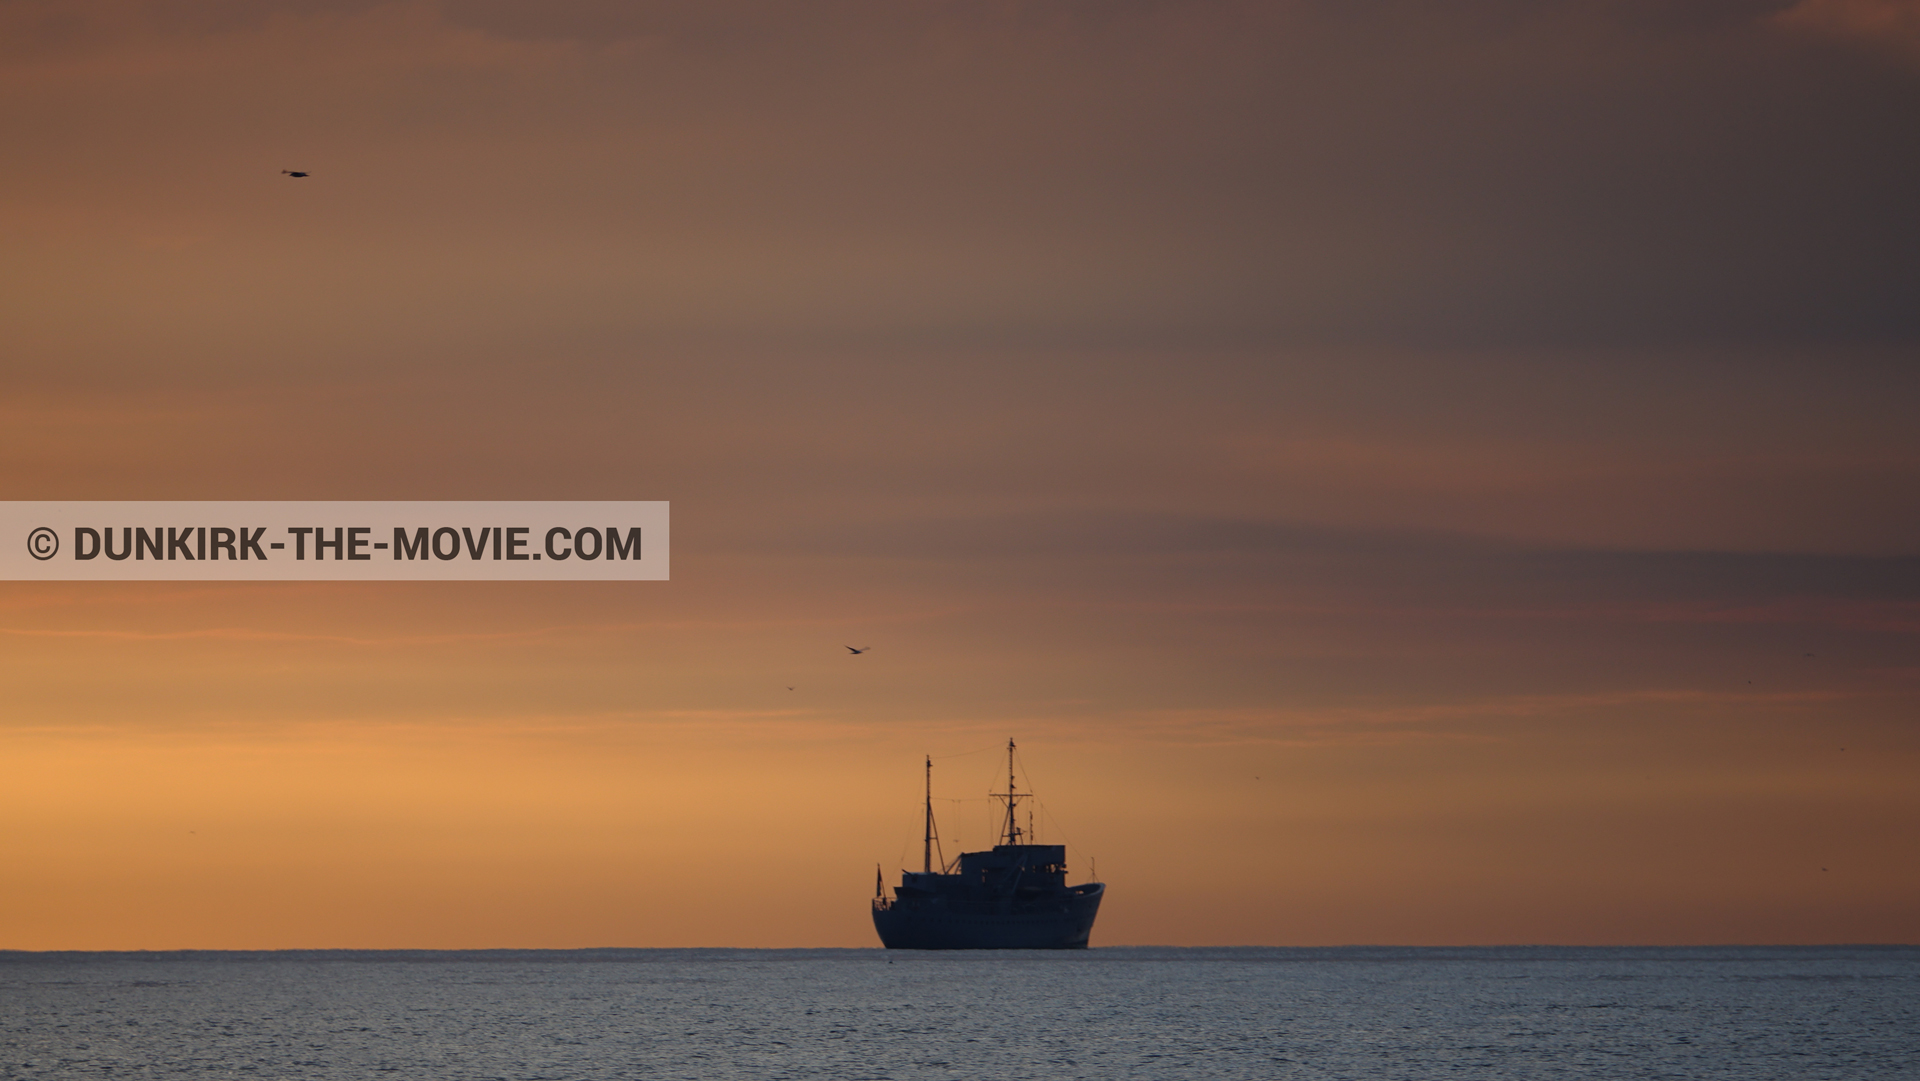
1011 833
926 855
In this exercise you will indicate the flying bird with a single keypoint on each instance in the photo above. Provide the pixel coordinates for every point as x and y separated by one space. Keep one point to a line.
857 652
290 172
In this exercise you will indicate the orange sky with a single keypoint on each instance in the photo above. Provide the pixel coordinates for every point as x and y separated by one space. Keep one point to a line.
1402 477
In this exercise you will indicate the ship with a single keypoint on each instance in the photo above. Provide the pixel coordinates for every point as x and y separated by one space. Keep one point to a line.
1013 897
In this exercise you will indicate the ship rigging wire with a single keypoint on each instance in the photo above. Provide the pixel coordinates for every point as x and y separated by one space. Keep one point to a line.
1047 816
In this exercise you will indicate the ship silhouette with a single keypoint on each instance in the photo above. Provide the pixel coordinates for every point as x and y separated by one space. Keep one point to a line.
1013 897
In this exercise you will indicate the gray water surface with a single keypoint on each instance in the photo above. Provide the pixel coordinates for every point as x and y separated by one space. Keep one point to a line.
1809 1012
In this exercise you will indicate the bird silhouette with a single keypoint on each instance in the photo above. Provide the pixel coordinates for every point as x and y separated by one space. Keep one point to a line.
857 652
290 172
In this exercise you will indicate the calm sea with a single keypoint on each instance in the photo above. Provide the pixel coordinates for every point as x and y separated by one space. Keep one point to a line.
1749 1013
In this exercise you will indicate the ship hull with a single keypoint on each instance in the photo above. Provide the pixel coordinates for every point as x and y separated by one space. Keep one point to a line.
1063 924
